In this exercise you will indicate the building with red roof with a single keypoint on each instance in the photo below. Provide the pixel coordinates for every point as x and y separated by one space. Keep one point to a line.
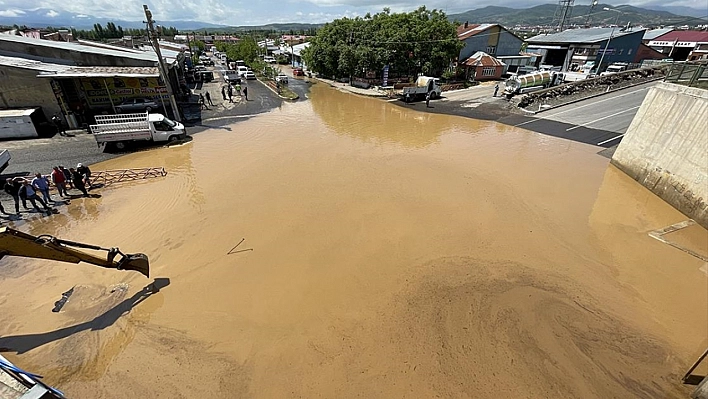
682 45
483 66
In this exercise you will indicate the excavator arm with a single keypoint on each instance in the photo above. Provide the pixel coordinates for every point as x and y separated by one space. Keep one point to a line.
17 243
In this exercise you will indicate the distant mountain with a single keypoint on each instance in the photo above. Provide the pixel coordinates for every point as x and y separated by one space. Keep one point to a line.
43 17
544 15
679 10
280 27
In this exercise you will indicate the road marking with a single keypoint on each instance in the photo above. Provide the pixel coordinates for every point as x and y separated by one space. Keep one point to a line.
549 115
612 139
599 101
603 118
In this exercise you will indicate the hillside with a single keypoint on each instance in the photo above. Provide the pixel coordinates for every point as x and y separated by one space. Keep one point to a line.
543 15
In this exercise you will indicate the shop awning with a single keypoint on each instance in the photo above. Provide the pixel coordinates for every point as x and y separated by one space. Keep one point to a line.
103 72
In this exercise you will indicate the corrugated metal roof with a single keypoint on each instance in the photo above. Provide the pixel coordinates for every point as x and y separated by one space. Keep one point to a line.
591 35
471 30
48 70
684 36
103 72
654 33
481 58
145 56
108 46
24 63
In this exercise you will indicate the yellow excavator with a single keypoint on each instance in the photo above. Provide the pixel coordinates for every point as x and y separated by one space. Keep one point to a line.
17 243
16 383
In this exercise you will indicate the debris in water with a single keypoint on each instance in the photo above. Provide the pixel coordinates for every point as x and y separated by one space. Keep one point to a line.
241 250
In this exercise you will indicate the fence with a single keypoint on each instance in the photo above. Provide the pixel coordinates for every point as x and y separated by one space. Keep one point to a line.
692 75
107 177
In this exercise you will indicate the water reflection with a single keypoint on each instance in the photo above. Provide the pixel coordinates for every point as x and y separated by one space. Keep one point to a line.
373 120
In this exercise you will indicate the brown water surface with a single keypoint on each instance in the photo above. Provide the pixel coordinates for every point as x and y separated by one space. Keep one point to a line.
395 254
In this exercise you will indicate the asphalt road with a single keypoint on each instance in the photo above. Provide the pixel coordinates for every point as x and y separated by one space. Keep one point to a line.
600 121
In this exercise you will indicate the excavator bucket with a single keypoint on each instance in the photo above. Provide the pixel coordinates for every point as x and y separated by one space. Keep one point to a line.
135 262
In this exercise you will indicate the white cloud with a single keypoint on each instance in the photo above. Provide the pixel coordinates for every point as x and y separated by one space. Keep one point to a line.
11 13
240 12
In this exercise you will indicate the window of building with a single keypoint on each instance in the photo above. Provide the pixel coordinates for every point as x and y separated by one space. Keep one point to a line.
491 71
629 52
491 50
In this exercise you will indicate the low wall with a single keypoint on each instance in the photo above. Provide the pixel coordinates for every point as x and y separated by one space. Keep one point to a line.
666 148
573 91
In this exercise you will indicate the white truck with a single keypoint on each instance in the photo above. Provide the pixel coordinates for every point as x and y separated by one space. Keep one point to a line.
423 86
118 131
615 68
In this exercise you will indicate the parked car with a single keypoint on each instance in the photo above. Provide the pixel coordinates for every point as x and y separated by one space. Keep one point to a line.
282 78
269 59
298 72
249 75
241 70
135 105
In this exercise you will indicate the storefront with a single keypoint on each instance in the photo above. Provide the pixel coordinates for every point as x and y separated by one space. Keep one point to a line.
83 92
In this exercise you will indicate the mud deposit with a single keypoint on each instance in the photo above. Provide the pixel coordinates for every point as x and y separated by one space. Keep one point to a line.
395 254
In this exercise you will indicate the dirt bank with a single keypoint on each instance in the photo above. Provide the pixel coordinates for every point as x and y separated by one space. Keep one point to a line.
395 254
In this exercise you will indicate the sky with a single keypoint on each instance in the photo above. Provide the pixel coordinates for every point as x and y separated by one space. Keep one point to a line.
257 12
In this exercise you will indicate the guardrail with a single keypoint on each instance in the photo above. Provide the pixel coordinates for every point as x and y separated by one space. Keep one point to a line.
692 75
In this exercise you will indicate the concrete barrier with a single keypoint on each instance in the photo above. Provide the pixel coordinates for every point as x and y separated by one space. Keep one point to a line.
666 148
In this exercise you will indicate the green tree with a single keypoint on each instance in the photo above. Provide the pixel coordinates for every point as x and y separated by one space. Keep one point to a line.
419 41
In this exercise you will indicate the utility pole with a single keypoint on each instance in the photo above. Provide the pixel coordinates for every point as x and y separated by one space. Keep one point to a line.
612 32
160 63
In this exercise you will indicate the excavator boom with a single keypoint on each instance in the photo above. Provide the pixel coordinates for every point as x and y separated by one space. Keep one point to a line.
17 243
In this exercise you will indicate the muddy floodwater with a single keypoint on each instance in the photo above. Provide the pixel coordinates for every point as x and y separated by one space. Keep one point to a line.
395 254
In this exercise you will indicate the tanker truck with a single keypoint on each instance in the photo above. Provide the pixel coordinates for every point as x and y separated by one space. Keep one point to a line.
531 82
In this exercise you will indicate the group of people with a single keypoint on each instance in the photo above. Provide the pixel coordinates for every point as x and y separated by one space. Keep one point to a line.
24 189
205 99
228 90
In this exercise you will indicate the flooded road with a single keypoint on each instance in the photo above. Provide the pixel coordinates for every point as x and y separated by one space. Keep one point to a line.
394 254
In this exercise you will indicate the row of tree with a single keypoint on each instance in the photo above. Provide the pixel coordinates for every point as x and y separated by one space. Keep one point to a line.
409 43
113 31
245 49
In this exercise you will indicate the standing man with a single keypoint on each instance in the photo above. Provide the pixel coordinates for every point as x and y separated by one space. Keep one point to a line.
78 181
223 92
202 103
59 181
13 190
67 176
85 173
31 195
245 93
208 98
56 120
496 89
41 184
